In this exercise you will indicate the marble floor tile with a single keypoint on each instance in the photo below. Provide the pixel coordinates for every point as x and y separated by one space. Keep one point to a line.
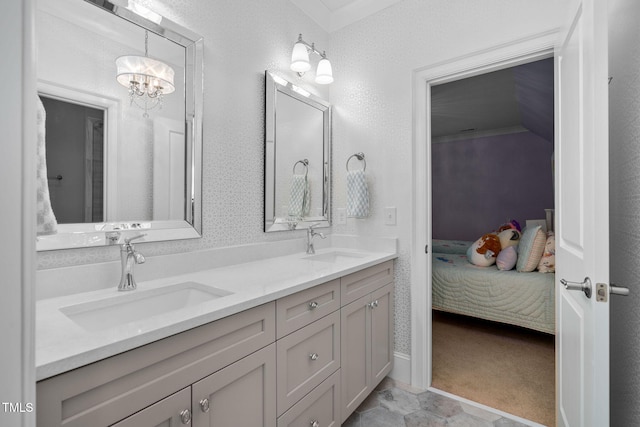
393 404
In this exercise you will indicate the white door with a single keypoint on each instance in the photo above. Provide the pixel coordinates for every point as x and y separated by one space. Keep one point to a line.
169 162
582 202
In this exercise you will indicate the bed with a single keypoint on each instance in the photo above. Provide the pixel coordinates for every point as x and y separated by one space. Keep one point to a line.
521 299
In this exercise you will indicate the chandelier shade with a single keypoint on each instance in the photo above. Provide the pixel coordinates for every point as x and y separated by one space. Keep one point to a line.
144 75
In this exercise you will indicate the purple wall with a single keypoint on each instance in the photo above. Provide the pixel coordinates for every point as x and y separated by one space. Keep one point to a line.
481 183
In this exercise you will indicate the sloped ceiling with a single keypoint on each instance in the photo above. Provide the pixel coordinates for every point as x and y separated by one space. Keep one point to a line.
504 101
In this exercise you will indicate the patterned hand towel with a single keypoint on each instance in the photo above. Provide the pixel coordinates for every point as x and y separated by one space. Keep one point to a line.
357 194
299 196
46 220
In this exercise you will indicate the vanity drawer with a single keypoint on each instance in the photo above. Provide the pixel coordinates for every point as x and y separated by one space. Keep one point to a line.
322 405
300 309
306 358
361 283
107 391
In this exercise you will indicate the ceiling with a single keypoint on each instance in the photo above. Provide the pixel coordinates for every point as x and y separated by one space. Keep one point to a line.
332 15
512 100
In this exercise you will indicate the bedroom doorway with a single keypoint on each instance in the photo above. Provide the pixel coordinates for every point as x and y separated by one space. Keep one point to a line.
520 52
492 145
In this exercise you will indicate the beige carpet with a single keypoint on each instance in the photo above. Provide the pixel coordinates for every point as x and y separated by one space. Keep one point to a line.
504 367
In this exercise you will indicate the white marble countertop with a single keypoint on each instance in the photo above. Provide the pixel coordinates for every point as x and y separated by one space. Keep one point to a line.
62 344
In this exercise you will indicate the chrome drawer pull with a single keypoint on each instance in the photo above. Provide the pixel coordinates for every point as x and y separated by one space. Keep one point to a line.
185 416
313 305
204 405
315 423
313 356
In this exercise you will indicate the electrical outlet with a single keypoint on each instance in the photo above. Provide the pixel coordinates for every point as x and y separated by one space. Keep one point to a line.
341 216
390 216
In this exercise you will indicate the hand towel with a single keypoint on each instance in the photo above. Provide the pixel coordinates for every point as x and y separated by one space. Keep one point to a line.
46 220
299 196
357 194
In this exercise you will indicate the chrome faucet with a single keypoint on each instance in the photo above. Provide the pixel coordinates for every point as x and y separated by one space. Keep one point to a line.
311 233
128 258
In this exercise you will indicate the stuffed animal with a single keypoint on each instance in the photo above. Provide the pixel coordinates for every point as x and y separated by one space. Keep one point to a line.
484 251
513 224
509 237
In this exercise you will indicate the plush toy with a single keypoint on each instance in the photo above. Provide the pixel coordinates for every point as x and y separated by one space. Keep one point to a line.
484 251
509 237
513 224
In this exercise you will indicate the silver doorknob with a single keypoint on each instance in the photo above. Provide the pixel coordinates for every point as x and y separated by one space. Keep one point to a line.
602 292
584 286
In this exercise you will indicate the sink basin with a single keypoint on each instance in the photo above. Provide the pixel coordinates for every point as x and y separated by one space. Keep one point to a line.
140 304
335 256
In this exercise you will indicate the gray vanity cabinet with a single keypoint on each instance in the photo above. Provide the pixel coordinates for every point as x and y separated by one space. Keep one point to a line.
239 395
166 413
367 334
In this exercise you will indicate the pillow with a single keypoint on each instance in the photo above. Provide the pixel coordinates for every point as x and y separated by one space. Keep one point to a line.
530 249
547 263
507 258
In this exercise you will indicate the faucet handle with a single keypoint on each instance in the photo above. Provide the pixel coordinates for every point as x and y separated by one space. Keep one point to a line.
127 240
314 225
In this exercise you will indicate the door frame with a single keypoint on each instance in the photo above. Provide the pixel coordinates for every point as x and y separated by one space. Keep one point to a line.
536 47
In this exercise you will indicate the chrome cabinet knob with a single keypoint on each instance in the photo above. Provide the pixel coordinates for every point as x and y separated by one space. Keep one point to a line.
313 305
204 405
315 423
373 304
313 356
185 416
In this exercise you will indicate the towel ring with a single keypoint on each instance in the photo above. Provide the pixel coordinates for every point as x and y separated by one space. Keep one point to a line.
359 156
305 163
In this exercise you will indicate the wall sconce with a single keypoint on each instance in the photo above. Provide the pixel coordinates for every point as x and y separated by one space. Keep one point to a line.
147 79
300 61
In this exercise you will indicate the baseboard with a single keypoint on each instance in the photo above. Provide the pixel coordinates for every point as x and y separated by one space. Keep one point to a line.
401 368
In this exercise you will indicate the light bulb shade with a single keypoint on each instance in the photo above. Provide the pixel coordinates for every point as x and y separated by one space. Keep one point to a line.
324 74
133 69
300 58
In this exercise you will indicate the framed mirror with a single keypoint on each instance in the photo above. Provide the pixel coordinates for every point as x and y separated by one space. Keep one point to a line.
121 96
297 157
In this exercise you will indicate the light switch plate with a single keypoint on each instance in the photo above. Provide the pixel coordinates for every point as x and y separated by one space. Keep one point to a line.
390 216
341 216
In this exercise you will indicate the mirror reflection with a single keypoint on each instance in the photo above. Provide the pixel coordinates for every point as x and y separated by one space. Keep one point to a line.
297 150
122 128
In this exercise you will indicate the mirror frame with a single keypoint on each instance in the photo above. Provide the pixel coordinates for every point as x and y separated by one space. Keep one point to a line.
273 86
110 233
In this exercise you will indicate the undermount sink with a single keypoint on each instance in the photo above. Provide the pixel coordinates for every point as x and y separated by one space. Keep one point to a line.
140 304
335 256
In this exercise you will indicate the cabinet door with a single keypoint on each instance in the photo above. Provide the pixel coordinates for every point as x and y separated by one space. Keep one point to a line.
355 346
242 394
166 413
381 333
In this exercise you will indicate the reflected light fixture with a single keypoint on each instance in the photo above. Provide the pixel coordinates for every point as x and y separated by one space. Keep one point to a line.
147 79
300 61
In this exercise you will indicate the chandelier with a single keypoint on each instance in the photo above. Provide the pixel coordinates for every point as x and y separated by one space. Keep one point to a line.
147 79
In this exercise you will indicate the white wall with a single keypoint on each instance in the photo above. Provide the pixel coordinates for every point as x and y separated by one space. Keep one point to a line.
373 60
624 148
17 121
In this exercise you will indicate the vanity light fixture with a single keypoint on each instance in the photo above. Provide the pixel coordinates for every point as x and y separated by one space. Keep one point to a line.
300 61
147 79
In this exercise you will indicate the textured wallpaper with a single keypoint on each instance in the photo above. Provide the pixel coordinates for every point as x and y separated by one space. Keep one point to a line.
372 60
624 172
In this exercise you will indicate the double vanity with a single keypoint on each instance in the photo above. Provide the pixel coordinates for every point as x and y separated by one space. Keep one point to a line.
293 340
